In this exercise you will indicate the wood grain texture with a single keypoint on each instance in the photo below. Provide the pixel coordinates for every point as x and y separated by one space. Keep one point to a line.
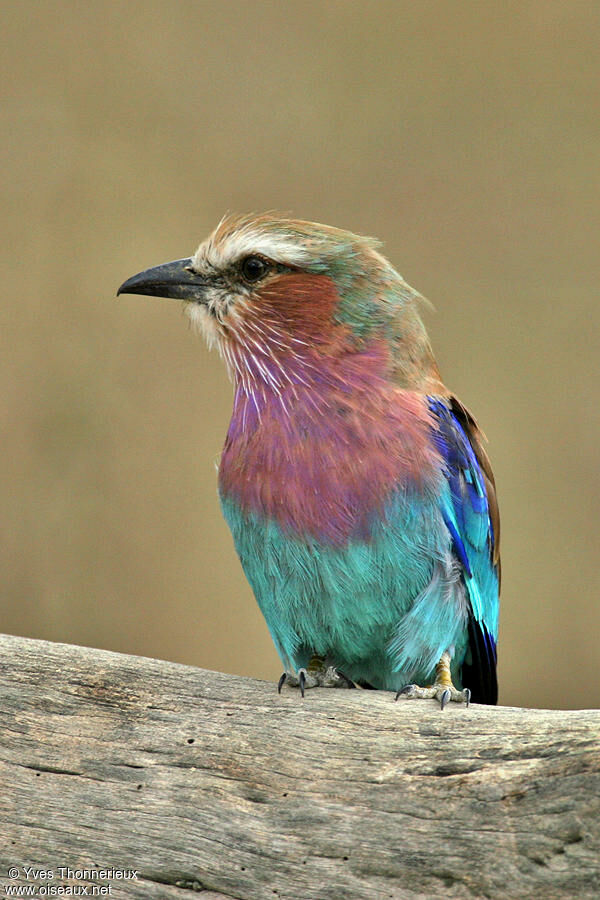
214 784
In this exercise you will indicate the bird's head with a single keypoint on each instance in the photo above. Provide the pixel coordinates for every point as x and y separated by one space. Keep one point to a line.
267 289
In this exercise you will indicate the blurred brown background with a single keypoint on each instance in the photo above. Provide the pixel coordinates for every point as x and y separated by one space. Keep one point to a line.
465 135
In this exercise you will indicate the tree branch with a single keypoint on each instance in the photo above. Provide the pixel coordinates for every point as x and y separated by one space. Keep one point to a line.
212 783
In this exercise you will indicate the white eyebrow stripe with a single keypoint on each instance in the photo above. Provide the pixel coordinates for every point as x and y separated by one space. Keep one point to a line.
278 247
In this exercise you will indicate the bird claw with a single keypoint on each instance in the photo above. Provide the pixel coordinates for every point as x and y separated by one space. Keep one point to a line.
407 689
302 680
348 683
323 676
443 693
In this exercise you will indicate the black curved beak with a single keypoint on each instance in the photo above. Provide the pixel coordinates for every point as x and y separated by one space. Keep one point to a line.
176 280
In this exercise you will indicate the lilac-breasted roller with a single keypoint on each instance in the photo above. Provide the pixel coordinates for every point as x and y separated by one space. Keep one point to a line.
360 498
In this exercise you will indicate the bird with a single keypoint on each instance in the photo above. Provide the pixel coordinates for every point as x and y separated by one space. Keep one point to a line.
356 485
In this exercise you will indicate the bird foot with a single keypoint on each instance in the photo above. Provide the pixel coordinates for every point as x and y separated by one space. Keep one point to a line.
442 692
316 674
442 689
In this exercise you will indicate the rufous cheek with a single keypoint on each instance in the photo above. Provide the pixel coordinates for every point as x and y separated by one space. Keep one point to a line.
300 303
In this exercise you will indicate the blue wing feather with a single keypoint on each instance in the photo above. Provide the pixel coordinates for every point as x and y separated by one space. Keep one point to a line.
467 511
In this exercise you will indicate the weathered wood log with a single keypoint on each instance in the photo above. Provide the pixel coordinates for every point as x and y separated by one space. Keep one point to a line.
212 783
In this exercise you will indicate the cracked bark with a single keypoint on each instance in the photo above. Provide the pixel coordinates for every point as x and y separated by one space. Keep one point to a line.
214 785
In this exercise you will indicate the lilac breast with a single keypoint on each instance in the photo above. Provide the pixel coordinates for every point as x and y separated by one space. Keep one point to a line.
322 453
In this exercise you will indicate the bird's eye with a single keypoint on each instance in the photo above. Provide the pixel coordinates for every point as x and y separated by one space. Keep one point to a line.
254 268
